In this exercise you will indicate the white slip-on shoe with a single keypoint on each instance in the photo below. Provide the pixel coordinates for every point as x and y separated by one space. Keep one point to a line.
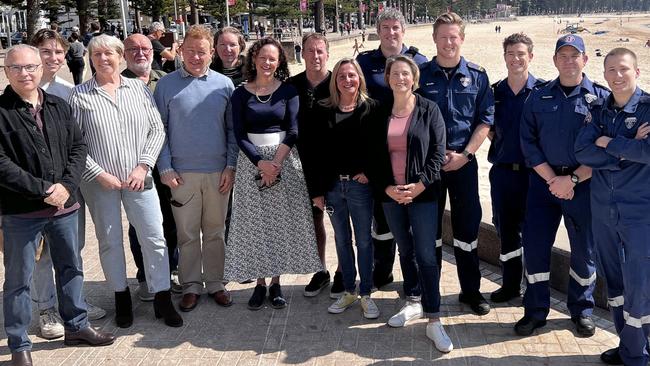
436 333
410 311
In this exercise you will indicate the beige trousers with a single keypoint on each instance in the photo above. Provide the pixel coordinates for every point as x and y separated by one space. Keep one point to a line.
200 213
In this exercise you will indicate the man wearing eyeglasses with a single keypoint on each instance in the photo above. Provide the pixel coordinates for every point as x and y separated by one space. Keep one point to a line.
42 155
139 56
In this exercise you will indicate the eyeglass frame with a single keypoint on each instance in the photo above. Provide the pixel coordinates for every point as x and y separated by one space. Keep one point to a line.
17 69
136 50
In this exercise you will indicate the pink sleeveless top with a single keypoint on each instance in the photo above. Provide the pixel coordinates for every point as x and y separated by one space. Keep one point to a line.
397 142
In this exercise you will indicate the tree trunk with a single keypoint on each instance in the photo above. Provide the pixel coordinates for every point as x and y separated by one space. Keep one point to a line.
194 11
84 19
32 17
319 16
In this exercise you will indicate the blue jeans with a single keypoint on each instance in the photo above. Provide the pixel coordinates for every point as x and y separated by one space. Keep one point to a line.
21 237
43 288
414 229
143 212
350 199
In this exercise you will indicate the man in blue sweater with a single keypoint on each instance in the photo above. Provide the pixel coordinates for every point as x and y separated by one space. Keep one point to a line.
198 163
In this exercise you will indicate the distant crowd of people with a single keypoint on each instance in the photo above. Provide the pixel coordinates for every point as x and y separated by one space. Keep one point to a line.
226 165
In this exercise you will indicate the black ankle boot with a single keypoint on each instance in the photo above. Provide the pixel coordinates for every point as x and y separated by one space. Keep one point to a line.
163 308
123 309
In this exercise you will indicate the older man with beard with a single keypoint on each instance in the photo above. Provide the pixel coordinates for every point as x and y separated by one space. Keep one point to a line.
139 57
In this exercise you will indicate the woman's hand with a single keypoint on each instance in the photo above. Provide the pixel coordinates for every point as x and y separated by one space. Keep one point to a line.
360 178
269 168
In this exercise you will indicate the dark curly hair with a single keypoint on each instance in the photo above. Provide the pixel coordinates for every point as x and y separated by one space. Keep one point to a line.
281 73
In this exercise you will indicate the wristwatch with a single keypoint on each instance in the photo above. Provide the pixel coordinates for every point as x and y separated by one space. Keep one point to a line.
574 178
468 155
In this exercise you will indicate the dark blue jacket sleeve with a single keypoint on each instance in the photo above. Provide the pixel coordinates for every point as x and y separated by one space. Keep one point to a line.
529 136
591 155
485 102
238 101
630 149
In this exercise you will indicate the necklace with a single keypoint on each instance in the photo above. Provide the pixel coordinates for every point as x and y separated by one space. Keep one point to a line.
260 99
347 108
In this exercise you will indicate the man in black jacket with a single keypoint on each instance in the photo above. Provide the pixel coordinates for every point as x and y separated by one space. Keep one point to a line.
42 155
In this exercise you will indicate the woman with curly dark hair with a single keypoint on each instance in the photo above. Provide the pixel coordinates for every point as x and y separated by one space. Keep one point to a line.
229 58
271 230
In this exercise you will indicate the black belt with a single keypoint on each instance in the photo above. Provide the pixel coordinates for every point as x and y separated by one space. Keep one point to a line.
515 167
563 170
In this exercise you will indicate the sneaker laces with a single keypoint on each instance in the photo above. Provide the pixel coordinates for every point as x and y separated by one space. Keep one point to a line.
50 317
370 304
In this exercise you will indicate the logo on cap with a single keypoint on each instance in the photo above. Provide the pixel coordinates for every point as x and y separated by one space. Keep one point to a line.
569 39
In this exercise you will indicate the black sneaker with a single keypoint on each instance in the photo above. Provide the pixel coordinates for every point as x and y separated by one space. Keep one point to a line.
318 282
275 297
337 289
257 300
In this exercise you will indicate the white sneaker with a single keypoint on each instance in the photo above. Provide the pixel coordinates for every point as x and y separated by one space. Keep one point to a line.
51 324
143 292
411 310
344 302
436 333
95 312
370 309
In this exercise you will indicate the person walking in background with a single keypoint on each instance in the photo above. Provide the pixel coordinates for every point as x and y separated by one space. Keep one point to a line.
408 149
462 91
138 53
52 49
343 120
313 85
509 175
615 145
75 58
109 107
198 163
272 231
391 27
558 187
42 155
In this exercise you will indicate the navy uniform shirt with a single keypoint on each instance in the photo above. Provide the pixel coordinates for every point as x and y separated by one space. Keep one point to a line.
373 64
465 99
621 172
551 121
505 147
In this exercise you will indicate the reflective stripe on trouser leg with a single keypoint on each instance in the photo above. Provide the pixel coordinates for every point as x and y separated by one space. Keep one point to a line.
383 243
508 190
635 260
541 224
582 275
462 186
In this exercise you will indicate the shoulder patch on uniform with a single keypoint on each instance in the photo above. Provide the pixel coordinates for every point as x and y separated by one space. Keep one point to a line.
474 66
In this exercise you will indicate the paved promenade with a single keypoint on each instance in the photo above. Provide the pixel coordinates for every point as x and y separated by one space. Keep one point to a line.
305 334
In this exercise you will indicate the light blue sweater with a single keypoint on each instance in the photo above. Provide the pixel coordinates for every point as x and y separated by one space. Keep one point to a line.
197 116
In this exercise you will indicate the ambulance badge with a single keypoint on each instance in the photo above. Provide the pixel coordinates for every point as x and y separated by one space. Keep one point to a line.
630 122
590 98
465 81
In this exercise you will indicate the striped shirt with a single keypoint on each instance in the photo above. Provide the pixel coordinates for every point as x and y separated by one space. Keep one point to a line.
120 133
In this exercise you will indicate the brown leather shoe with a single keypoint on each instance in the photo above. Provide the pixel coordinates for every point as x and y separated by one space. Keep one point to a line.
189 302
88 336
222 298
23 358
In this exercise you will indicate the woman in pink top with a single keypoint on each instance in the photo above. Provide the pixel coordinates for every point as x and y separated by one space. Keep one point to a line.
408 150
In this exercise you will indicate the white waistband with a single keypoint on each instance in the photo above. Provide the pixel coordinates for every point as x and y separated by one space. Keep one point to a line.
266 139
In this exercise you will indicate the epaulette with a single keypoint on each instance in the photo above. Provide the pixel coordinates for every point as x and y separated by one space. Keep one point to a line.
599 85
474 66
366 52
412 51
496 85
644 99
541 82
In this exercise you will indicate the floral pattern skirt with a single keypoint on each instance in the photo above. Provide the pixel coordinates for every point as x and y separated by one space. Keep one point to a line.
272 230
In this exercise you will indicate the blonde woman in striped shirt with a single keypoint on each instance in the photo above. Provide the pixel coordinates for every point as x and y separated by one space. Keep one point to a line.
124 134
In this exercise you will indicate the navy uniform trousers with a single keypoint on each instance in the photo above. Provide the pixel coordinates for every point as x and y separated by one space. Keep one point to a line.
543 215
508 189
462 186
623 254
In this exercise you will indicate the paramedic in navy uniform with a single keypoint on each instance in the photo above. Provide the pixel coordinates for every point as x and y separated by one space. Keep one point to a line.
552 117
390 28
462 91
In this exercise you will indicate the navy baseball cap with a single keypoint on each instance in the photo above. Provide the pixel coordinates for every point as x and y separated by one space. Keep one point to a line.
570 40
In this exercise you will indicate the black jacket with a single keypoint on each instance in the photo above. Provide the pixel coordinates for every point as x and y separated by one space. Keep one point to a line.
425 151
337 148
30 164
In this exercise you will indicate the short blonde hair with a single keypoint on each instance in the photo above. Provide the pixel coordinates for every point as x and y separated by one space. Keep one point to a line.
449 18
334 98
415 70
106 41
199 32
